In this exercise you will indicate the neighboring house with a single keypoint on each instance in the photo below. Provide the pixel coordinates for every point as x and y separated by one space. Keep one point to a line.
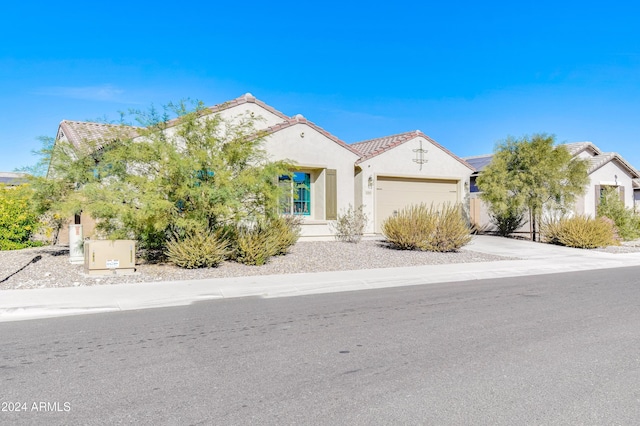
605 169
383 175
636 194
12 179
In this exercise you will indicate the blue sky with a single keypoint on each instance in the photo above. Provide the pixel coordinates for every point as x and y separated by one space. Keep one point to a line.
468 74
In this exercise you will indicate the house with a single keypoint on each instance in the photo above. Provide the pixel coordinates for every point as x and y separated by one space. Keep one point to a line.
383 175
409 168
12 179
605 169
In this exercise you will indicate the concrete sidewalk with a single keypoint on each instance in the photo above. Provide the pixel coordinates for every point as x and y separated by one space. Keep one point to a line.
533 259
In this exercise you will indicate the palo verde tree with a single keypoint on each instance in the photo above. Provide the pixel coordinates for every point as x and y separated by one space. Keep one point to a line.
61 169
532 175
193 174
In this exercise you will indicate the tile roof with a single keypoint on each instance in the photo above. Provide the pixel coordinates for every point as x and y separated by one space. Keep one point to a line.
300 119
246 98
79 133
372 147
600 160
576 148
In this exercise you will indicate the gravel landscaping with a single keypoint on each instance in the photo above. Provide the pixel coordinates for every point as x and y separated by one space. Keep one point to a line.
45 267
49 266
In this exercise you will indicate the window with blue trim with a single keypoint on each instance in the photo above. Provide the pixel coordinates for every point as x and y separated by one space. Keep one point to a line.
296 198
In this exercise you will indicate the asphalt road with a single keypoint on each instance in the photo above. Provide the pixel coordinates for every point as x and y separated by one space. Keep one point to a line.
553 349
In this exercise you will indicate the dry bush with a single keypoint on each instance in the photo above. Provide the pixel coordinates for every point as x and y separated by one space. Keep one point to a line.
581 232
420 228
410 228
254 244
452 231
198 250
350 225
285 231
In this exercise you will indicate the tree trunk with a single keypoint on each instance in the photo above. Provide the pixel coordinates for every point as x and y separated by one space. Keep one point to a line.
530 225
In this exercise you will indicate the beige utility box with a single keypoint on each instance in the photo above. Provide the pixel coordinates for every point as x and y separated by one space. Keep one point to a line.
109 257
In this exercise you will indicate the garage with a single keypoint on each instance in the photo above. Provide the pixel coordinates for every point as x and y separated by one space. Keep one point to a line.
394 193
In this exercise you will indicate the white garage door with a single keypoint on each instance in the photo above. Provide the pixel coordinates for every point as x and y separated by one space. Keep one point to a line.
393 194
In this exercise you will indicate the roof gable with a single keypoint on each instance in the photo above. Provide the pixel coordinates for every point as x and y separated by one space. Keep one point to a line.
599 161
247 98
299 119
576 148
373 147
78 133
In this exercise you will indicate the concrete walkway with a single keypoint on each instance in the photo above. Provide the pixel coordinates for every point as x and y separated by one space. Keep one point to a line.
533 259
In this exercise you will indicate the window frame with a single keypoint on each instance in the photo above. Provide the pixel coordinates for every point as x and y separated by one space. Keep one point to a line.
297 197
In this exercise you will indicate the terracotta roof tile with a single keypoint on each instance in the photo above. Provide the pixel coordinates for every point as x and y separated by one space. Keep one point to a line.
372 147
600 160
246 98
79 133
576 148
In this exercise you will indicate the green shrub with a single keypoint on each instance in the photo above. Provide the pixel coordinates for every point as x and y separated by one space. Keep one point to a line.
507 222
18 220
627 221
420 228
581 232
350 225
198 250
12 245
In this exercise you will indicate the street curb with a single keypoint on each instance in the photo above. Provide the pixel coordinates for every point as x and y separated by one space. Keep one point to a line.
16 305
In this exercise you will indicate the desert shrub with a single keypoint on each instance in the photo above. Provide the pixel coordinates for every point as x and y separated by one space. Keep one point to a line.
18 220
451 232
626 220
285 231
581 232
410 228
253 244
350 225
507 222
420 228
197 250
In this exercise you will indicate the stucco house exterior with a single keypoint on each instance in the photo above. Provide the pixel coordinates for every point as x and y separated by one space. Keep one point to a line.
408 168
605 169
382 175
